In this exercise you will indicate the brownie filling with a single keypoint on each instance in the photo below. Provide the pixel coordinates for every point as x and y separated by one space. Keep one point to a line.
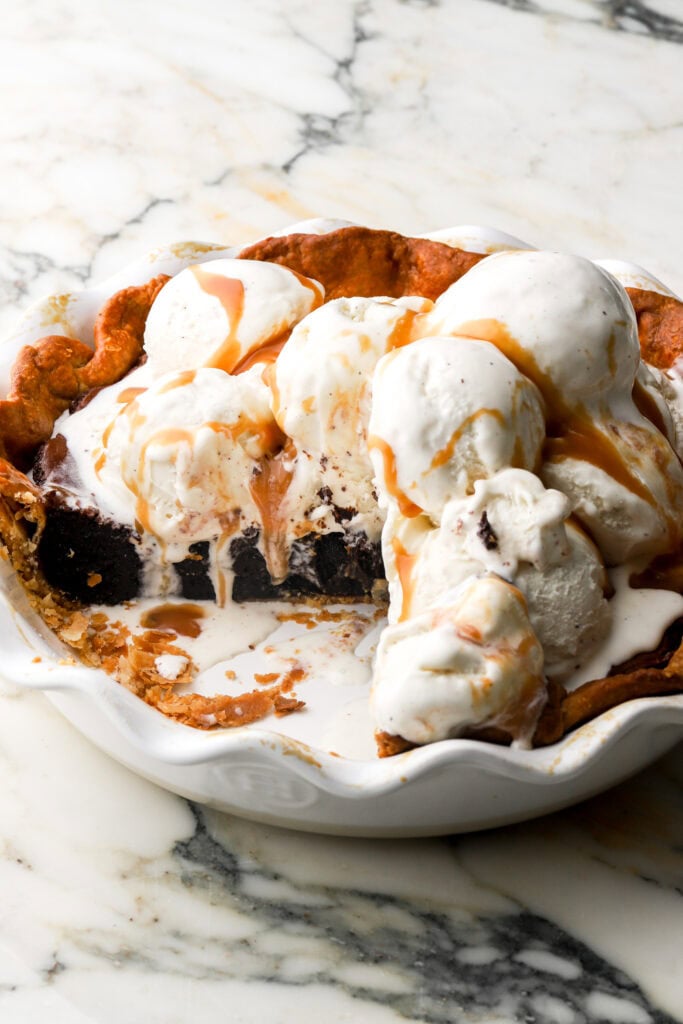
90 559
94 560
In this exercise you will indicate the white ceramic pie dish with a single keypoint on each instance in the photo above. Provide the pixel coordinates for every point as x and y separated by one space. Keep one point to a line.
273 776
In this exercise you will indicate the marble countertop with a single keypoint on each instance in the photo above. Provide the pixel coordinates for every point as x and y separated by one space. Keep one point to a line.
126 125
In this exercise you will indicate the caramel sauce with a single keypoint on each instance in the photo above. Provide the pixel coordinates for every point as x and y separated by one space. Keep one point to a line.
179 381
229 524
230 293
470 633
403 331
406 506
106 434
269 486
172 435
126 399
308 404
266 354
447 451
405 566
592 446
129 394
577 437
498 334
183 619
647 407
271 438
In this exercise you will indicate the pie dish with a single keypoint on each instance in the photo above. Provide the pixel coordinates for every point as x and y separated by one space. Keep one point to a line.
654 671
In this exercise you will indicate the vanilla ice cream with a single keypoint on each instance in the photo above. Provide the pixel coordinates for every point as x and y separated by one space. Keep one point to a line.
570 327
517 413
512 526
566 320
322 390
447 412
218 313
175 458
472 661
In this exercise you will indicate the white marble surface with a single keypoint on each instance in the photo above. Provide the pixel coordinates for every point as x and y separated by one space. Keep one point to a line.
126 125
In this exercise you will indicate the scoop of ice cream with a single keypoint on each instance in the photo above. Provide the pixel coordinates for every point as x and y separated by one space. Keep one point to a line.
472 661
630 275
476 238
665 387
570 327
510 519
445 413
185 450
629 519
660 388
217 313
516 527
323 374
564 322
322 389
512 526
568 609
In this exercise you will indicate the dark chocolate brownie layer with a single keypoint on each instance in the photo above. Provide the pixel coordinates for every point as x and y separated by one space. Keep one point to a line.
96 561
87 557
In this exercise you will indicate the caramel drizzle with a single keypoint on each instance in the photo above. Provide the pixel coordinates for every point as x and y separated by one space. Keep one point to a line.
405 567
230 293
663 573
172 435
265 354
128 395
179 381
446 453
126 398
647 407
577 436
270 438
594 447
269 486
520 715
407 508
404 330
183 619
268 352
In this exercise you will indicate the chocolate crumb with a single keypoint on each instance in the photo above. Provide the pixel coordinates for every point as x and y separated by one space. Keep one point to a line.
486 533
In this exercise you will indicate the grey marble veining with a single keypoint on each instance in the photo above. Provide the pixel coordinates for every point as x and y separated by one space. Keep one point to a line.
123 903
654 20
455 966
